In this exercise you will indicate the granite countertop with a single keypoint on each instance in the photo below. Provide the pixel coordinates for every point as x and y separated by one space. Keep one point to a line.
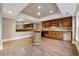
58 29
23 30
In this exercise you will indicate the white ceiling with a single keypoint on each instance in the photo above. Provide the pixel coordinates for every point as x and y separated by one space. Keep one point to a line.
14 7
45 8
66 9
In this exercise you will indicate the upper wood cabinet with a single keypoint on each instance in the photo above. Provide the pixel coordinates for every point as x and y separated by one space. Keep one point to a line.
25 26
53 22
64 22
59 22
46 24
49 23
67 22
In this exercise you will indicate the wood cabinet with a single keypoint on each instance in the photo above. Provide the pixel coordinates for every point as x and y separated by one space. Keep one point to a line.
53 22
25 26
46 24
59 22
64 22
53 34
67 22
49 23
60 35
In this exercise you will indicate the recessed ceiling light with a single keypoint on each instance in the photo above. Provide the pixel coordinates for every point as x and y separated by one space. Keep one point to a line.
10 12
51 11
38 13
39 7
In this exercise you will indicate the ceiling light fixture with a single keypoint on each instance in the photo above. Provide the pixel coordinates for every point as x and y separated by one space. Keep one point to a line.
38 14
39 7
51 11
10 12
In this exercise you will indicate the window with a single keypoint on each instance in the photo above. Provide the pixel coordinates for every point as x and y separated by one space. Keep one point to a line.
77 26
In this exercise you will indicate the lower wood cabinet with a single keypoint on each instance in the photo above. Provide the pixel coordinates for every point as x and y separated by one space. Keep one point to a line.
66 36
60 35
53 34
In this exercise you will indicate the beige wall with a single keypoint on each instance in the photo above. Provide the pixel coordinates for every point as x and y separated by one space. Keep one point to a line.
0 28
9 30
0 32
8 27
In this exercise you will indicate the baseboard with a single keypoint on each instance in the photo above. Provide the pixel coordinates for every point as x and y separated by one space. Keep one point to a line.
16 38
77 44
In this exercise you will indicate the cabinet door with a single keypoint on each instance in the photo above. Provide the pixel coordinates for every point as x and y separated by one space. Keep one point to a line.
46 24
56 35
27 26
67 22
60 35
43 24
59 22
46 33
53 35
53 22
